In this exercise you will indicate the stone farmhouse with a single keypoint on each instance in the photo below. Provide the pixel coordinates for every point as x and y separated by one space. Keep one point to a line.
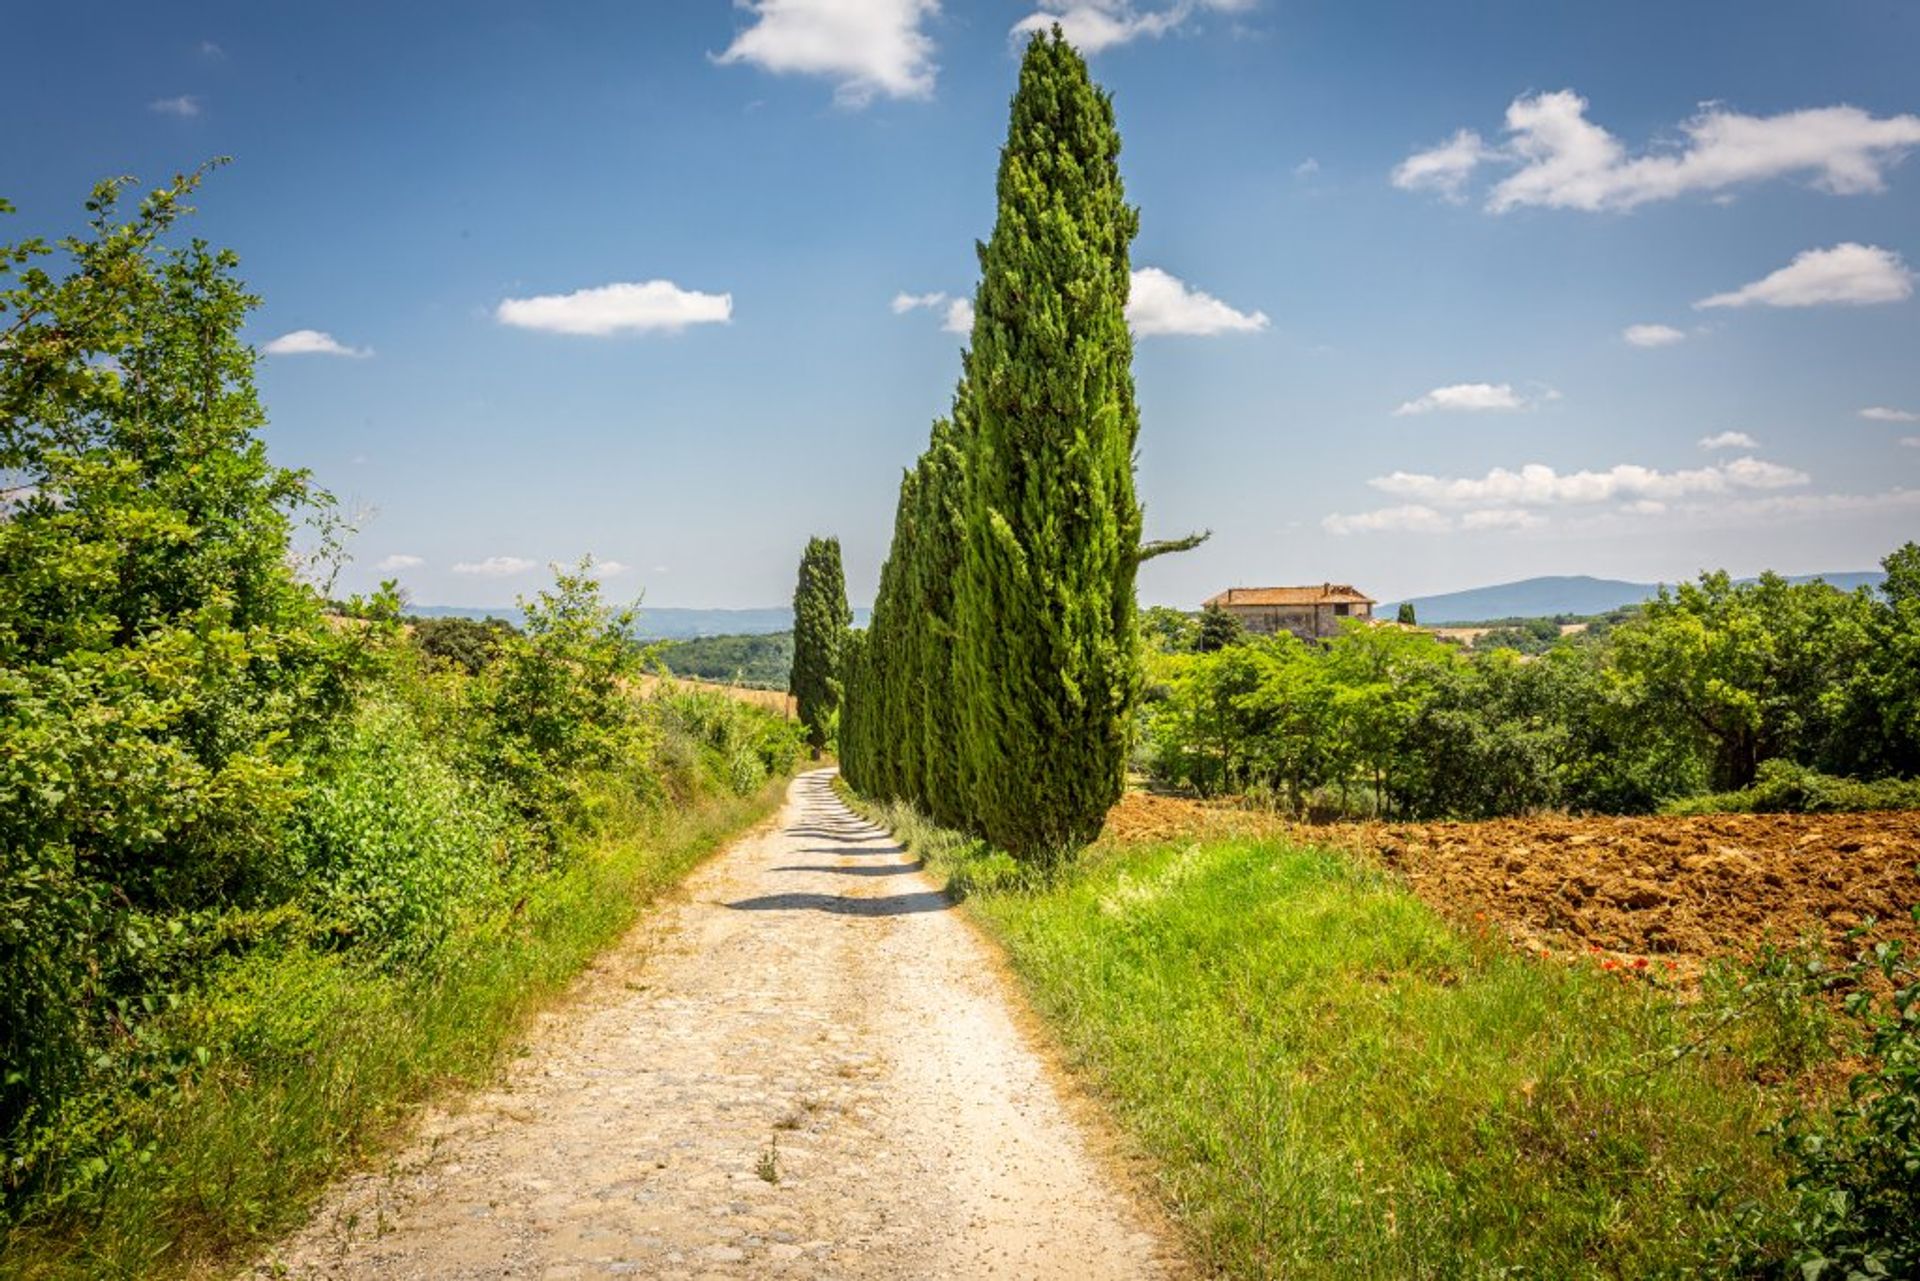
1311 613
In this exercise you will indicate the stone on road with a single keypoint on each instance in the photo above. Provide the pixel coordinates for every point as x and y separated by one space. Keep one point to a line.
807 1067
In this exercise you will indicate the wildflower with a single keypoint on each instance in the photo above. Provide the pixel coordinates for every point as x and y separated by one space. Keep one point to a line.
1640 963
1608 964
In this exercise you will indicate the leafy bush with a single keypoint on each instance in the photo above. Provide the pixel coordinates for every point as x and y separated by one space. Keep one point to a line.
1857 1169
1785 788
394 843
470 643
738 743
160 661
555 707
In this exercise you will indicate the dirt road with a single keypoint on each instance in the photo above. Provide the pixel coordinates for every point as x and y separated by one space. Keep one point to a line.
808 1068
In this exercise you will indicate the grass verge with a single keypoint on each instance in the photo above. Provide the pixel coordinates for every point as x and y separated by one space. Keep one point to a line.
1334 1081
325 1058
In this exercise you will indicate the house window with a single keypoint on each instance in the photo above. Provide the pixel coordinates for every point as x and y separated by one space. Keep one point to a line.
1340 611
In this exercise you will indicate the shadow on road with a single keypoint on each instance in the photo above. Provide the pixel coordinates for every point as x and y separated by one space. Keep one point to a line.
859 869
853 836
853 851
892 905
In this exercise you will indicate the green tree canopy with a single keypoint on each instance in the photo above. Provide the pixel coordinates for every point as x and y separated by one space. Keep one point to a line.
160 659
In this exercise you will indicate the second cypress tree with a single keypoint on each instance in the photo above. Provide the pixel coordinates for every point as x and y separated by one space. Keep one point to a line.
820 622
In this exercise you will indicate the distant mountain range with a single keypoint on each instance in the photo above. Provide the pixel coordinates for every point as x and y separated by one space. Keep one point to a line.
1527 598
663 623
1566 594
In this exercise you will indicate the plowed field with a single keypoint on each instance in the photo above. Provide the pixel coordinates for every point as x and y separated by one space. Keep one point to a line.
1668 889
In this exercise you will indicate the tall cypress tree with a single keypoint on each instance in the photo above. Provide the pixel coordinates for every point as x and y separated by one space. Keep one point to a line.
820 622
941 527
1045 639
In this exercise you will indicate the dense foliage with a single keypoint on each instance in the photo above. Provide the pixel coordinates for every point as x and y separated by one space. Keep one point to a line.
820 622
228 816
472 643
1697 691
996 685
159 661
761 661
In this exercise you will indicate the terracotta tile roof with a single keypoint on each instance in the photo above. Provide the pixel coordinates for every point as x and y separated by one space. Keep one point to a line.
1322 594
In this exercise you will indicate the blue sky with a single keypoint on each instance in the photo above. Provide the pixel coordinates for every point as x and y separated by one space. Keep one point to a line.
1440 295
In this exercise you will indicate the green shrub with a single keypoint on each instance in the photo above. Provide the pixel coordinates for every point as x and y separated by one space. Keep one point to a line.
469 643
737 743
555 707
161 664
394 843
1856 1170
1785 788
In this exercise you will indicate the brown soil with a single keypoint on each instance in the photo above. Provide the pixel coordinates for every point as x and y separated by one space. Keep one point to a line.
1677 890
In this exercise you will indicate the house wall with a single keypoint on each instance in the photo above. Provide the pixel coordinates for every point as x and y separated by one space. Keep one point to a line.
1308 622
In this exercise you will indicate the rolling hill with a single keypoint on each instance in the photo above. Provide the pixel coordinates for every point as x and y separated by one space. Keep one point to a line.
1547 596
663 623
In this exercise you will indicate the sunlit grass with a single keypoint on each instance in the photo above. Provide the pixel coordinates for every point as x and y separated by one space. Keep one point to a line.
1334 1081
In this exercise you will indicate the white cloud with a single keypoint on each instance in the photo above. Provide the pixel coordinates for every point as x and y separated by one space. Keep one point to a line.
1467 396
1729 440
1443 169
610 568
313 342
208 49
1163 304
655 306
186 106
1652 335
956 313
1911 441
1420 519
1501 518
1882 414
1848 273
495 566
400 560
1538 485
1411 519
1563 160
870 47
1093 25
1306 168
906 302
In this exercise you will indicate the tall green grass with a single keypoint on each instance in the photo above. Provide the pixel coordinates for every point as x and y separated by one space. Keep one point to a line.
1335 1082
321 1055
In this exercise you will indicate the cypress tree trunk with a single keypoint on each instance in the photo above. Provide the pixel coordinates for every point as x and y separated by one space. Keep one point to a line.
820 622
1045 658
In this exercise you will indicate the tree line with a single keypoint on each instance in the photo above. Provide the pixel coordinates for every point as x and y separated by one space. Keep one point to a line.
995 687
1705 690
